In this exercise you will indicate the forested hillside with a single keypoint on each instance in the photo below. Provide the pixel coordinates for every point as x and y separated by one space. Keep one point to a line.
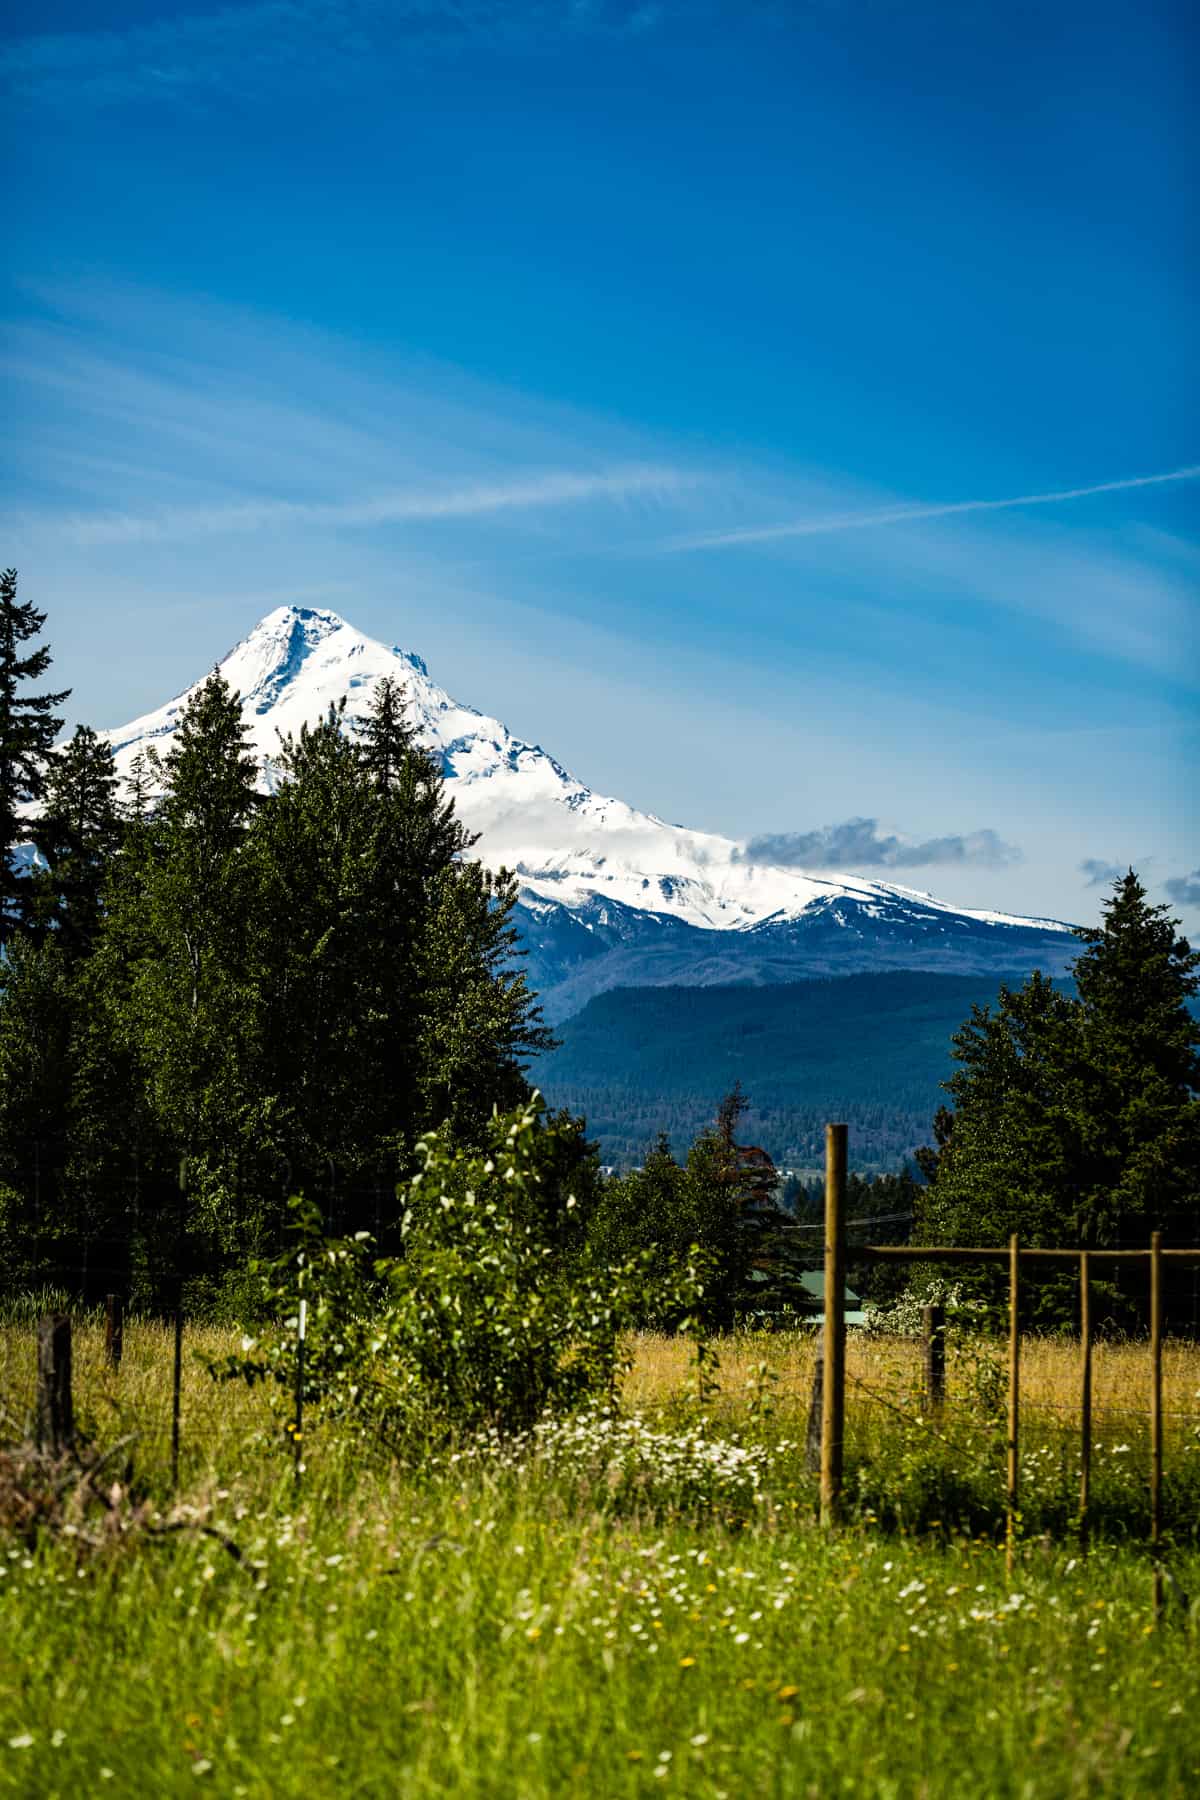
872 1049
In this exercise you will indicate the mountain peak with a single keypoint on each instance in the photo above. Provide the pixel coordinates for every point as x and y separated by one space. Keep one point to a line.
593 858
309 625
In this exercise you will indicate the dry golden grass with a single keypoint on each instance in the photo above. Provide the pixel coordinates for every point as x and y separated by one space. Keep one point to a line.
220 1421
890 1369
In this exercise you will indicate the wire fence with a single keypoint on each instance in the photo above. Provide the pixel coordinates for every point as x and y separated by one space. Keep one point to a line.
1151 1261
148 1381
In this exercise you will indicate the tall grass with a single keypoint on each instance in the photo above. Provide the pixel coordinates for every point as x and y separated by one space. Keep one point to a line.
505 1622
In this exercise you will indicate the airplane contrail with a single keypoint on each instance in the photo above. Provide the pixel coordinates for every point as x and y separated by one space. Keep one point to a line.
903 515
560 488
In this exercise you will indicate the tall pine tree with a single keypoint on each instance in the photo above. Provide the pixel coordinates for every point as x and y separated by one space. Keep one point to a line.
175 976
78 834
28 727
1139 1091
1076 1120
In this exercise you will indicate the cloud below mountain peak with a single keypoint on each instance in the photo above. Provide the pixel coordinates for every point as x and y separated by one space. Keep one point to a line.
860 844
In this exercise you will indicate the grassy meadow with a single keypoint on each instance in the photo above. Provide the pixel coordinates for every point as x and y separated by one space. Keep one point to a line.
616 1606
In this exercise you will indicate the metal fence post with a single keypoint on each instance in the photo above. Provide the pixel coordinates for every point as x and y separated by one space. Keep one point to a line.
1085 1394
933 1322
1014 1401
1156 1419
298 1434
833 1397
176 1392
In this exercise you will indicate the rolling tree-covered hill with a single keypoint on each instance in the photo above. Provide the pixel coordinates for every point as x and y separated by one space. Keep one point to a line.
871 1049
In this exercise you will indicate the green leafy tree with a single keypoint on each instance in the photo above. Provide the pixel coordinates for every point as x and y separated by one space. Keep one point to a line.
481 1322
28 727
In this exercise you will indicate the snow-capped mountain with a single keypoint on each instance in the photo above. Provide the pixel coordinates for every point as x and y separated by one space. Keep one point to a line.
609 895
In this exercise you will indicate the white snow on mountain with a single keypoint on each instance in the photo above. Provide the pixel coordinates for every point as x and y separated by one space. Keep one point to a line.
567 844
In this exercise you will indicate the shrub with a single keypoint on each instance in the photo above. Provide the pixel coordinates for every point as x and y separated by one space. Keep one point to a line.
494 1314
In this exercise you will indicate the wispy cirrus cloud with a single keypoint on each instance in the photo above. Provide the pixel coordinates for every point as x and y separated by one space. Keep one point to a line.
860 844
911 514
213 424
144 420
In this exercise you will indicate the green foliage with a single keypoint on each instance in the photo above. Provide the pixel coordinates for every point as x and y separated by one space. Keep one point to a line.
78 833
229 997
1076 1120
35 1085
175 969
28 728
493 1315
721 1201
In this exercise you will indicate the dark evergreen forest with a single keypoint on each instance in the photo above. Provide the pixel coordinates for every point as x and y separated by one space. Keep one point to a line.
214 998
870 1049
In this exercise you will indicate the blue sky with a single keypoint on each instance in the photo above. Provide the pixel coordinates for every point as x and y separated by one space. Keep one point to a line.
654 370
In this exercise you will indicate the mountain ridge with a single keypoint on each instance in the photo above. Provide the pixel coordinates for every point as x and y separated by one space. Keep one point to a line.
608 894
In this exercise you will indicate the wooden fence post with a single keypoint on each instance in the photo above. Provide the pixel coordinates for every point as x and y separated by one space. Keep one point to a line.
933 1321
1014 1401
1156 1420
55 1419
114 1329
833 1397
816 1405
1085 1395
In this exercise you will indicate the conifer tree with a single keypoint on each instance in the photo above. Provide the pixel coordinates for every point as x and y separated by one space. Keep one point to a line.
478 1021
1008 1159
174 970
720 1200
1140 1092
386 737
145 774
35 1097
417 819
28 728
322 973
78 833
389 1004
1076 1120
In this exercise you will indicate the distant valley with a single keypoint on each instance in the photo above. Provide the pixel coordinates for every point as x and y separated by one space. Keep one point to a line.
869 1048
